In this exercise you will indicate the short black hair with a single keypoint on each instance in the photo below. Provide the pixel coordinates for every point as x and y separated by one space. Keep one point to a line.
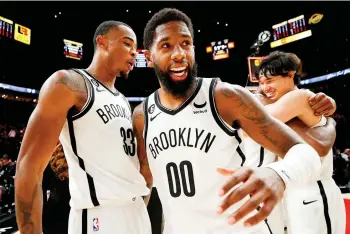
280 63
105 27
161 17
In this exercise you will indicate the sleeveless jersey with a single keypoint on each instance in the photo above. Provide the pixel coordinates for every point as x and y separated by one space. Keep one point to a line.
100 149
256 155
184 148
327 161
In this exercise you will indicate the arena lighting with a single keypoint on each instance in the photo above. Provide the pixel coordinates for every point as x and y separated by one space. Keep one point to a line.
325 77
18 89
264 36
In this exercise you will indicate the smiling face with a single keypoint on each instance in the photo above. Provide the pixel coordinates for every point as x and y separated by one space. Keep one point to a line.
274 87
173 58
118 49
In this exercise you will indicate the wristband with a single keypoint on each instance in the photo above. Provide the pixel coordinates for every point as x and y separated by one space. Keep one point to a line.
300 165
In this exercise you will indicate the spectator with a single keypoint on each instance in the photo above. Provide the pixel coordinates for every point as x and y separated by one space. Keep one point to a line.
56 194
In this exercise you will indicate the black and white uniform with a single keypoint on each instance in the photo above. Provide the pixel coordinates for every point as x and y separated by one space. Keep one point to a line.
258 156
104 180
184 148
318 207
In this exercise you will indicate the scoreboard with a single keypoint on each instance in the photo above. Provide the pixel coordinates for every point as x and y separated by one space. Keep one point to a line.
6 28
289 31
220 49
73 49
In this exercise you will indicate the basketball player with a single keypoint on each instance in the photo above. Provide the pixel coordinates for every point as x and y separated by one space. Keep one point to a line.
321 199
320 138
93 122
188 128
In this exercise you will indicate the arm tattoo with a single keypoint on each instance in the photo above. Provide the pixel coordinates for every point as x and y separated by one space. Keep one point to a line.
251 111
25 210
73 84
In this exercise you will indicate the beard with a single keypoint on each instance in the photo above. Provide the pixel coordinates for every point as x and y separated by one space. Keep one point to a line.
124 75
177 89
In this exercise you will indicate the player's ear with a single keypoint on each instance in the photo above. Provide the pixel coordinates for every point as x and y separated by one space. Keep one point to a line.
101 42
148 58
291 74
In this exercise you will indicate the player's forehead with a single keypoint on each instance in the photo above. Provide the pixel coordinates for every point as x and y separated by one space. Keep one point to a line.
266 76
122 32
171 30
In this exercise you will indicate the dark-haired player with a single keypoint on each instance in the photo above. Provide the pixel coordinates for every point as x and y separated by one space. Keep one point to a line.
92 119
316 207
188 128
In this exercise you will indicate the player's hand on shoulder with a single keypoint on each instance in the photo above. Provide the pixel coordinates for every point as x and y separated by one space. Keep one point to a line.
322 104
264 186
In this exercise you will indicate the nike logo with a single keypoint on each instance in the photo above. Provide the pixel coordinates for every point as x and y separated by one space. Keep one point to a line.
306 203
200 105
153 117
100 90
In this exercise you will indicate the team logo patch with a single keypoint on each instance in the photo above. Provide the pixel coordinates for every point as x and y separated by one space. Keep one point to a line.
95 225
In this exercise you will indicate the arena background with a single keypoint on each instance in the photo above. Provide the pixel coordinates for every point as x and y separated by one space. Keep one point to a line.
25 64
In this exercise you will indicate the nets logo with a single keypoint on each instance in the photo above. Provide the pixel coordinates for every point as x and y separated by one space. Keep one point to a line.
22 34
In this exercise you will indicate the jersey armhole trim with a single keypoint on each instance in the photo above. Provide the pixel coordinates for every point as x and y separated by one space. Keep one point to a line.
90 100
145 128
218 119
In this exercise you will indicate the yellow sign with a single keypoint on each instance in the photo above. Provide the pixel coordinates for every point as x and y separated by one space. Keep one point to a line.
22 34
315 18
290 39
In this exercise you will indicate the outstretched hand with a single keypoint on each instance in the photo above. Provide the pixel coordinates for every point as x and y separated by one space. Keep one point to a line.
263 185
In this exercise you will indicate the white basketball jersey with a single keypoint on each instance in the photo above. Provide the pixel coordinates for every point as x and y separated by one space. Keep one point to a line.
184 148
327 161
100 149
256 154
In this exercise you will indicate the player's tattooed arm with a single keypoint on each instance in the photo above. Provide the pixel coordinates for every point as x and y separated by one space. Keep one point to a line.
238 107
39 141
138 119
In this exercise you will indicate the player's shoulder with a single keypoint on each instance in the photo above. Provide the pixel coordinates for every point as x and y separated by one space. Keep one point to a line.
65 76
300 93
227 90
68 78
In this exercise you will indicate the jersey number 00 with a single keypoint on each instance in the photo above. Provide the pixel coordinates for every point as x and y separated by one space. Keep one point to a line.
178 181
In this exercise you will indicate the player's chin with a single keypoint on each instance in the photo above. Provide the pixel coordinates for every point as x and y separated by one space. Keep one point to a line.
124 74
